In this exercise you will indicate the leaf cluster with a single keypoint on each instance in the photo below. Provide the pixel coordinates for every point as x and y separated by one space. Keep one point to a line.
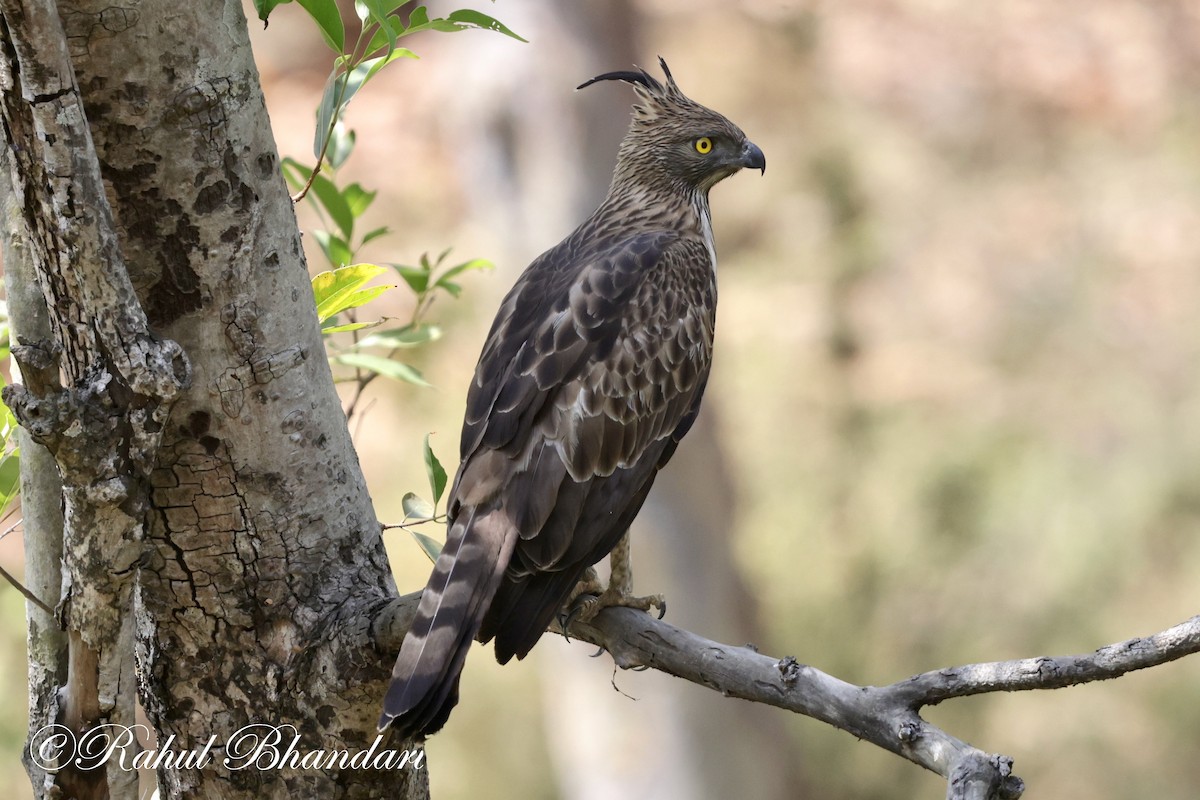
340 292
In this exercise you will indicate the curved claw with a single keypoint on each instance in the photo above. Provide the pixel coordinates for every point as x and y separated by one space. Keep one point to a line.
568 617
564 622
640 668
662 608
599 652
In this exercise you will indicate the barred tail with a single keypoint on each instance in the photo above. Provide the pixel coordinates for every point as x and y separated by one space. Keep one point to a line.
424 685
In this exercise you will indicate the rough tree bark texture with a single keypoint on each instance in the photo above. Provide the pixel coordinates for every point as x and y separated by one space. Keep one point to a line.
41 489
233 539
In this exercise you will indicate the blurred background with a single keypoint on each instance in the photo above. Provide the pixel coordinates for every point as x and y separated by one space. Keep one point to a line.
954 414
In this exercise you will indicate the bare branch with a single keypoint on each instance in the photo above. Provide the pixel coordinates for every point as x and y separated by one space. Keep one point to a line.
1023 674
878 715
979 777
886 716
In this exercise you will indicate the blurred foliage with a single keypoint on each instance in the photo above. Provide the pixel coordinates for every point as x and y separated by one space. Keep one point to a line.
953 364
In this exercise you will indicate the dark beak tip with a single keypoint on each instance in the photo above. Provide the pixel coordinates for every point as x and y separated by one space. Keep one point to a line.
752 157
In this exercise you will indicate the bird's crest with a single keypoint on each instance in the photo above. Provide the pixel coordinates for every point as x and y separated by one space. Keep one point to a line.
655 96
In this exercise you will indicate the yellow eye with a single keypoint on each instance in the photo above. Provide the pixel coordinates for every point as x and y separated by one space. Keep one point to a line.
703 145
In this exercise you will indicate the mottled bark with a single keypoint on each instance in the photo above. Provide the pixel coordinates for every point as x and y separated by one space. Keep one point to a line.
215 515
41 489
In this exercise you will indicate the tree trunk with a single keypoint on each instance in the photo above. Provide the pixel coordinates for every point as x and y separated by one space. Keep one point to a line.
215 514
41 489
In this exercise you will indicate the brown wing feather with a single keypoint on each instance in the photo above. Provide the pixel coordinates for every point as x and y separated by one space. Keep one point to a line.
599 436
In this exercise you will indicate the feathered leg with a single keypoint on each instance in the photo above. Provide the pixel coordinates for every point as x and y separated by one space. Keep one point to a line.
584 606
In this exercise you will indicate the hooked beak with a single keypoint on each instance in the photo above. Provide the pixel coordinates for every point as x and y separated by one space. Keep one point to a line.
753 158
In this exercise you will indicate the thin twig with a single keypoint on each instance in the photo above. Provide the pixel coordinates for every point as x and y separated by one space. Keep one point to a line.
343 82
361 382
389 526
30 596
14 526
361 417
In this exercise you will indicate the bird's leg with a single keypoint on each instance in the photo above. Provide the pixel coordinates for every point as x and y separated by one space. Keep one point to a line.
619 590
588 584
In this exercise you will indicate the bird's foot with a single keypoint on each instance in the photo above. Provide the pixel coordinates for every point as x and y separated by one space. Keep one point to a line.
587 606
590 598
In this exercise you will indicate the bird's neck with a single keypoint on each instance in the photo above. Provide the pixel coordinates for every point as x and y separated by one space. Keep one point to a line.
644 206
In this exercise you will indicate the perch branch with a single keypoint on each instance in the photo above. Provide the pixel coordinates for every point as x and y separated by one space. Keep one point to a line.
887 716
878 715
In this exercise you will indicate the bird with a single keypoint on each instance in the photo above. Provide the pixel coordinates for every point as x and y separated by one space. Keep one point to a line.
590 376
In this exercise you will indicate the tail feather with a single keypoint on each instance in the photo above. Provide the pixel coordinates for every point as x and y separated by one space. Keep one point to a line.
424 685
522 612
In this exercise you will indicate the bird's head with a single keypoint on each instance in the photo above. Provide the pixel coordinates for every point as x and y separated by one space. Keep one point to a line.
676 138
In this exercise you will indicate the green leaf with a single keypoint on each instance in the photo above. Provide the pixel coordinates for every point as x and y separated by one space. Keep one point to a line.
383 366
462 20
336 251
337 290
417 278
444 282
8 424
437 475
329 19
349 326
373 65
458 269
357 199
265 7
469 18
394 28
450 287
408 336
418 19
364 296
334 203
8 421
10 480
416 507
333 102
340 88
371 236
295 173
341 144
378 10
385 36
431 546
